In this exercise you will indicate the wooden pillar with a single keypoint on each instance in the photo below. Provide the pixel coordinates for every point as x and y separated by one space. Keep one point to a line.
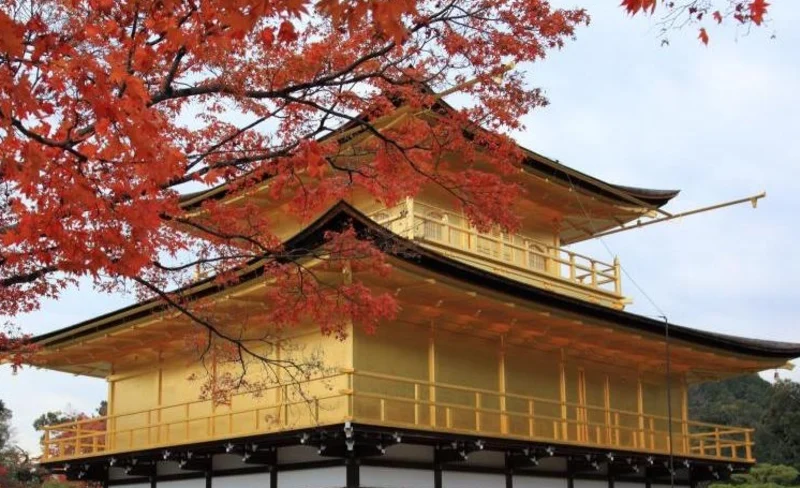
273 476
563 396
685 416
111 423
640 409
583 430
432 376
607 407
501 384
353 474
437 468
154 475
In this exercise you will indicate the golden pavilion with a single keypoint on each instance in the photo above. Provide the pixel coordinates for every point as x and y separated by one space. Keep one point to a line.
511 363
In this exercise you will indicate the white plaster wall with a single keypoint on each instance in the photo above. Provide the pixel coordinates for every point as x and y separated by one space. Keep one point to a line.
381 477
313 478
539 482
193 483
455 479
409 452
591 484
259 480
629 484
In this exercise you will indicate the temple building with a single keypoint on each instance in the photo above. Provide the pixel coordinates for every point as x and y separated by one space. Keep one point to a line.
511 363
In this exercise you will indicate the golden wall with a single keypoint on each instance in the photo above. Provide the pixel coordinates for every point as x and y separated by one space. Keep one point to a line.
164 405
407 375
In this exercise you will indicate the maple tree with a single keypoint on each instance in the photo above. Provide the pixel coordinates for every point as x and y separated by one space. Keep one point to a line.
701 13
110 111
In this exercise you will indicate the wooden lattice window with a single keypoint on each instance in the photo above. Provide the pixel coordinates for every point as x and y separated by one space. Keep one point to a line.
536 258
434 226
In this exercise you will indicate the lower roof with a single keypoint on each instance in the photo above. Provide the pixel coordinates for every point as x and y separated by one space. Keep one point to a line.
343 214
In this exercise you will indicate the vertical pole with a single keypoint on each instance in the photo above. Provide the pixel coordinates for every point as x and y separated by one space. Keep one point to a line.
640 408
437 468
583 417
432 376
607 406
154 475
617 276
160 382
209 472
416 403
352 472
748 449
563 396
501 380
685 416
111 421
509 471
273 476
213 393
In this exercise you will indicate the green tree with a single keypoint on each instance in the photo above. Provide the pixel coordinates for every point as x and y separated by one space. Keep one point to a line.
5 425
763 476
780 425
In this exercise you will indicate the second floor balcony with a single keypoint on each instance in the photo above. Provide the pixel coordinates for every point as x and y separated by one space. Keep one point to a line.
517 256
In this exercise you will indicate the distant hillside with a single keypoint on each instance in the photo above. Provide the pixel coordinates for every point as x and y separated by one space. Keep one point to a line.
749 401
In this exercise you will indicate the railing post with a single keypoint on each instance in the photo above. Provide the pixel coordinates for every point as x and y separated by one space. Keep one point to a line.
717 442
573 275
748 449
477 411
78 439
594 273
617 276
186 416
531 419
416 403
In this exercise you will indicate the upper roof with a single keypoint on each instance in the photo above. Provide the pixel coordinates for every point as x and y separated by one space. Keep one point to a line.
343 214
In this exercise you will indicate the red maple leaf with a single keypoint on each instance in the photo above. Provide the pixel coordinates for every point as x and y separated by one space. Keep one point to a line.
758 8
703 36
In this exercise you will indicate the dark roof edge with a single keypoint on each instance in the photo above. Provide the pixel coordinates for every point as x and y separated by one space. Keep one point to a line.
343 214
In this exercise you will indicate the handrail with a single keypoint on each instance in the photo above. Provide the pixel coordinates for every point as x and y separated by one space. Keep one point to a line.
573 424
183 404
468 389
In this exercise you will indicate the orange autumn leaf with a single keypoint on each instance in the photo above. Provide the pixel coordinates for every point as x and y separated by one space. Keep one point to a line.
703 36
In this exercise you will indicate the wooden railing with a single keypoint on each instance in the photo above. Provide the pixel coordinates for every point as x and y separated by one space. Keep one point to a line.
402 402
515 255
292 406
393 401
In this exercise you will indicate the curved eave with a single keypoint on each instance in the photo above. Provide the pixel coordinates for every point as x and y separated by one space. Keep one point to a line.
342 214
618 193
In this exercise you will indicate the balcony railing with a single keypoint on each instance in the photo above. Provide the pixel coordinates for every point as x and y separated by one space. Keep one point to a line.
517 256
392 401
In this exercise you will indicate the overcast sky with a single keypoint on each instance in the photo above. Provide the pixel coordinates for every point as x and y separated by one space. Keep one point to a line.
718 122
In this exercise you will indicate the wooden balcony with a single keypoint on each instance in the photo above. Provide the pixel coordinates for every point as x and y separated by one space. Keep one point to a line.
516 256
397 402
